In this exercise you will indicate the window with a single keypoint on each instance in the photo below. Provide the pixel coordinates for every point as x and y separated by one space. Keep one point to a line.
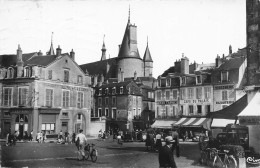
10 73
23 95
50 74
27 72
191 109
224 76
134 111
167 111
183 80
79 117
114 113
198 79
190 93
99 112
49 97
7 114
159 96
49 128
167 95
207 109
121 90
65 114
182 94
199 93
168 82
113 101
8 96
159 83
106 112
224 95
134 101
114 91
100 101
65 98
199 109
66 76
173 111
80 100
182 109
207 92
150 95
106 91
174 94
100 92
106 101
80 79
139 111
139 101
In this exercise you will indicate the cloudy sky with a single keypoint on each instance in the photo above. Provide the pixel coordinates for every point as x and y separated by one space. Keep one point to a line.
200 29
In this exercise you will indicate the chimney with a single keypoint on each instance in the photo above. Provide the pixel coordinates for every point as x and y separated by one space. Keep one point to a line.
135 76
95 81
39 53
72 54
218 61
58 51
19 62
230 49
184 64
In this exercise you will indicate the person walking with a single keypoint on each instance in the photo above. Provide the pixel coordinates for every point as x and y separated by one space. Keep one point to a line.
73 137
81 140
175 137
158 141
166 159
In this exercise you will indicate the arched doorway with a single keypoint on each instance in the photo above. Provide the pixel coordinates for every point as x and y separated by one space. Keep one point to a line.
21 125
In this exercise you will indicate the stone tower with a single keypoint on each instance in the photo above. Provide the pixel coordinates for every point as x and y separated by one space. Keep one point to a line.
148 62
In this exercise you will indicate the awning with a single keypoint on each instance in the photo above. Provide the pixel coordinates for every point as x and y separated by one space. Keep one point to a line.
164 124
194 122
251 114
221 122
232 111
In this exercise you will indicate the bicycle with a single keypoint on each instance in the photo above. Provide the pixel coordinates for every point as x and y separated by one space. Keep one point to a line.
228 160
93 153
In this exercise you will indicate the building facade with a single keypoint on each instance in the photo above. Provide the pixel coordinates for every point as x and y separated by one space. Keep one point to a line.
46 93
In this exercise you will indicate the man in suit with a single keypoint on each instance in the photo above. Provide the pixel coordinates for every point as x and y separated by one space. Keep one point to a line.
166 159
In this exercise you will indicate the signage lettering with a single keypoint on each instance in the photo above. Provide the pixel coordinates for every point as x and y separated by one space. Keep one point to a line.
67 87
222 87
225 102
195 101
166 102
249 121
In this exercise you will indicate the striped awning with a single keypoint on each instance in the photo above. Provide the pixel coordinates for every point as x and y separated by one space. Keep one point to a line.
164 124
194 122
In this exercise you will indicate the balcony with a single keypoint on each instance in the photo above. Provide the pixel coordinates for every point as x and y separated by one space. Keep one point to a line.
167 117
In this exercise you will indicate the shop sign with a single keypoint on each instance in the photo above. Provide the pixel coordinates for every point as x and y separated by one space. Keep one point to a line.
252 160
20 111
167 102
195 101
249 121
225 102
223 87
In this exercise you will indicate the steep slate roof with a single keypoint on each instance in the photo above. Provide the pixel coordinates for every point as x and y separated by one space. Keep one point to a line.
8 60
147 55
100 67
126 49
232 63
42 60
118 84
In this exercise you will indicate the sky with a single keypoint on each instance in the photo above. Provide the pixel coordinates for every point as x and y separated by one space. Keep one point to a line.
201 29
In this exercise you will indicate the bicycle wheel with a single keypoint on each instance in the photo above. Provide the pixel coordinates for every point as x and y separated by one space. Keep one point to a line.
231 162
94 155
87 153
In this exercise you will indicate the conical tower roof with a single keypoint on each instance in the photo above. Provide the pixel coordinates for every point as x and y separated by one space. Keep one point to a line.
128 47
51 51
147 55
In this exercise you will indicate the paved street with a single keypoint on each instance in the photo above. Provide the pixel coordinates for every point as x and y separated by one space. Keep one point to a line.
111 154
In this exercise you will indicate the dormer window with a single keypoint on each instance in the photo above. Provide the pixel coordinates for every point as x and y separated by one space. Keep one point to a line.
100 92
224 76
121 90
27 72
183 80
198 79
114 90
106 91
168 82
10 73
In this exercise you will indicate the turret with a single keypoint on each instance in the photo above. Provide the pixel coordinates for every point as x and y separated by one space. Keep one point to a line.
148 62
103 56
184 64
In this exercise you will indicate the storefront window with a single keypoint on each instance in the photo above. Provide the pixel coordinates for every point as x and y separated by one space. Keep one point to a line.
49 128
